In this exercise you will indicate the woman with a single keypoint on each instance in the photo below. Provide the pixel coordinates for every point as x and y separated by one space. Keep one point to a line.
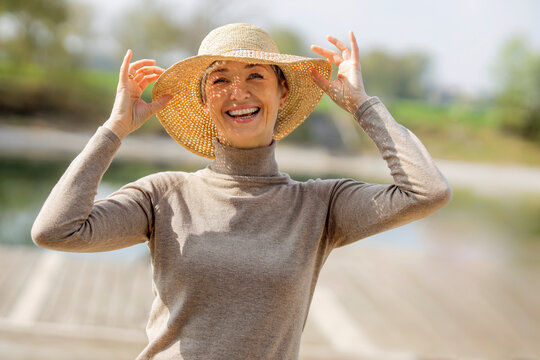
236 247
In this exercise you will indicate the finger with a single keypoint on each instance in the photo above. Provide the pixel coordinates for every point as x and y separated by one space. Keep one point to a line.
124 67
324 52
160 103
139 64
320 80
149 70
147 80
354 48
146 71
340 45
331 55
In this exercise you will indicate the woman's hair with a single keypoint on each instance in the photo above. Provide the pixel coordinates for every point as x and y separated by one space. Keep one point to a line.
282 80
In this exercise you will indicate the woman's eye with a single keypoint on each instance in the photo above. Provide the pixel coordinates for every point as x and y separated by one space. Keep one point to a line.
219 80
255 76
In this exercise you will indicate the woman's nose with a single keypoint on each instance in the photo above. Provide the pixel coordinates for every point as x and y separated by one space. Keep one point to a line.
239 90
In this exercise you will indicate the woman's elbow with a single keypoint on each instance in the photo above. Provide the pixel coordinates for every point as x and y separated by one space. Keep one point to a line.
41 236
46 236
440 195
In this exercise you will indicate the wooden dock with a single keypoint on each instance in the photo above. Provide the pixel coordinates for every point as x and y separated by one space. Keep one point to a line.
371 302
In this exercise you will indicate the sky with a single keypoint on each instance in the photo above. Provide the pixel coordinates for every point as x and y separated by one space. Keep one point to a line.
462 37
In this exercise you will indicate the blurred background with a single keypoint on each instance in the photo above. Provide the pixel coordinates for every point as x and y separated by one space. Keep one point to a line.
464 76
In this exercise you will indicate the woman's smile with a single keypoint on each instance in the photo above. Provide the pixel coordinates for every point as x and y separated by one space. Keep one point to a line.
243 114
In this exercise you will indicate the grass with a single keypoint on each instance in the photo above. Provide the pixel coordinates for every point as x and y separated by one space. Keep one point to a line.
465 132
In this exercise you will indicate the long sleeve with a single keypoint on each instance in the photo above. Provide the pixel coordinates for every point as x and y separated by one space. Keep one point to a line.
358 209
70 220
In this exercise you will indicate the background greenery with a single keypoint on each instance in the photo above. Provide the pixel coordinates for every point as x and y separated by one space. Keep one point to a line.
50 78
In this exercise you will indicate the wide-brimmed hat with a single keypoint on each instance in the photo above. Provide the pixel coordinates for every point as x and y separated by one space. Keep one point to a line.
184 117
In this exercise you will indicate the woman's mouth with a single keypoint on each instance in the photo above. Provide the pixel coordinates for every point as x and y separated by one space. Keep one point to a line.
244 115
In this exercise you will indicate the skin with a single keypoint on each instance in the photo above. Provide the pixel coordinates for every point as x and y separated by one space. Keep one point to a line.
348 89
237 86
238 89
130 111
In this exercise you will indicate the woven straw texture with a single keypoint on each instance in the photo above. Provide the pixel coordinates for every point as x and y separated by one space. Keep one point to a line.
184 117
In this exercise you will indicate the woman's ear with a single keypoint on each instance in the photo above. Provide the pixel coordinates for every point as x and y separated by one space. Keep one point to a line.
284 94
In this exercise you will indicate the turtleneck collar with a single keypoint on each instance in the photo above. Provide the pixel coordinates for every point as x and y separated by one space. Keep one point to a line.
245 162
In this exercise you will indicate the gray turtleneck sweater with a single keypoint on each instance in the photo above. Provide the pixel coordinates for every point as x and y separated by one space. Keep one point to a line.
237 247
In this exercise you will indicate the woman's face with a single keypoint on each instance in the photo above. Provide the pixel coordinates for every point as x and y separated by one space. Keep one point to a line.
243 101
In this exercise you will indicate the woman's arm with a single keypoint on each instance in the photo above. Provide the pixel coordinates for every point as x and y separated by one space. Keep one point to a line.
358 209
69 219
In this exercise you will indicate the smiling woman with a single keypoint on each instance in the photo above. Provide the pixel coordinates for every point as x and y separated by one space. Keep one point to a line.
243 101
236 247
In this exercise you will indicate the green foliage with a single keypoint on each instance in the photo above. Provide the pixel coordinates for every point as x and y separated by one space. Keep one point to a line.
155 32
419 114
38 30
464 131
58 95
395 76
518 100
290 42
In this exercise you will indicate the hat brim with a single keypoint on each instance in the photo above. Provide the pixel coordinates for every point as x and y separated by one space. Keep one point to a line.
185 119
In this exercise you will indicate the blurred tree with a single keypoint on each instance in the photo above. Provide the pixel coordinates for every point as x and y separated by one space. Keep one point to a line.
211 14
290 42
147 28
517 70
76 33
36 35
393 76
150 28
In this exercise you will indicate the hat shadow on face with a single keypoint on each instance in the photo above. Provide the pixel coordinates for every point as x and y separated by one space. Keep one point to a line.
231 84
185 119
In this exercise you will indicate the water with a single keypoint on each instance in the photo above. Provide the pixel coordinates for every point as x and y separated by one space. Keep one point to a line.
407 237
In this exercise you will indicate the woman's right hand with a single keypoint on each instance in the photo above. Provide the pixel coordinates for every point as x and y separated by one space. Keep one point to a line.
129 110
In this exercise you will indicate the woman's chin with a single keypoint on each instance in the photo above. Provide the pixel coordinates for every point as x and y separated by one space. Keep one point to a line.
242 121
249 140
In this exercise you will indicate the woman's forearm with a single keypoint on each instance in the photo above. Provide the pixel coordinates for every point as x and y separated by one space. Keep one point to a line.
360 209
69 220
411 166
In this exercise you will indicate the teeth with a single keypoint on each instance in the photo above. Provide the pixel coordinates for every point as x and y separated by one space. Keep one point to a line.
243 111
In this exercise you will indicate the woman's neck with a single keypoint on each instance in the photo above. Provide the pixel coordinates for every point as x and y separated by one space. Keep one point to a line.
258 161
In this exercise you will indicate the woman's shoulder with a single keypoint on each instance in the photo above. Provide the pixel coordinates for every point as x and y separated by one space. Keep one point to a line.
328 189
321 187
316 183
161 182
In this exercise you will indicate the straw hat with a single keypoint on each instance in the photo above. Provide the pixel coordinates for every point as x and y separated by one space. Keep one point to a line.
184 117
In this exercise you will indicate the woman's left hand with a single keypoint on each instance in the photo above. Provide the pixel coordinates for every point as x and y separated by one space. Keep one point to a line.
348 89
